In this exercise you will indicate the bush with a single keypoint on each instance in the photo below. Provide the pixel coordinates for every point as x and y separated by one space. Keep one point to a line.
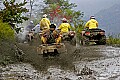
113 40
6 33
7 49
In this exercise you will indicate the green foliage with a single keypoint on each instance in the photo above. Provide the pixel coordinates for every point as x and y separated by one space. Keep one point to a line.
66 5
12 12
80 26
60 8
77 21
6 33
113 40
51 1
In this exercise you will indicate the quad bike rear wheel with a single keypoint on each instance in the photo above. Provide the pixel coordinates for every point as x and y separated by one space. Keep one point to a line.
102 40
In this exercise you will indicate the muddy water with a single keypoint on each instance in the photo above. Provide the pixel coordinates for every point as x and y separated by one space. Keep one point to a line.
64 60
107 67
95 62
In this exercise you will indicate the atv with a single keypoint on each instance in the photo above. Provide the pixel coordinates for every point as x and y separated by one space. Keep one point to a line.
93 35
68 36
50 48
30 36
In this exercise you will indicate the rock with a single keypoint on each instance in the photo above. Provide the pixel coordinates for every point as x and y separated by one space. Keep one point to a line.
86 71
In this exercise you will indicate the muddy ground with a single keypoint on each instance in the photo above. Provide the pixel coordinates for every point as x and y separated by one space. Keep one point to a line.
93 62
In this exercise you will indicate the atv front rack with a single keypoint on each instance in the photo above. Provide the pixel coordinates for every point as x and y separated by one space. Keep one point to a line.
47 48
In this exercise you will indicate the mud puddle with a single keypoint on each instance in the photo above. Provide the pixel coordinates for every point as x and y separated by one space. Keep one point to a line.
97 62
106 67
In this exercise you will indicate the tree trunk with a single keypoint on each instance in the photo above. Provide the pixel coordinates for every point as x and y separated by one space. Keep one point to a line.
77 36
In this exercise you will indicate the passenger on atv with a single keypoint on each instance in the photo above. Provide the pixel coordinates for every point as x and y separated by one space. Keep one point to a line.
51 35
65 30
92 33
91 24
44 22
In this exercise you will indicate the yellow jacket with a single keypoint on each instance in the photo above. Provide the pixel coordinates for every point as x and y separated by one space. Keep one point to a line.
64 27
91 24
44 23
55 35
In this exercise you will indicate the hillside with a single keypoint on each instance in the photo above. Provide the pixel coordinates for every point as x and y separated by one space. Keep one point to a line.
109 19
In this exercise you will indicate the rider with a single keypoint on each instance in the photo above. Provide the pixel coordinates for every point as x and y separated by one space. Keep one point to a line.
51 35
45 22
64 26
30 26
92 23
36 29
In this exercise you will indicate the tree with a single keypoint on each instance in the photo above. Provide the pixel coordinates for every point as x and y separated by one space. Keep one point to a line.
51 1
31 7
59 9
54 11
12 13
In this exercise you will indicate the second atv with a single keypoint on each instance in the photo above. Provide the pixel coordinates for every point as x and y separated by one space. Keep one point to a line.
94 35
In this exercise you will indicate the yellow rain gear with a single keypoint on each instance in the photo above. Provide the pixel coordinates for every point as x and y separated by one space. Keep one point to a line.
44 23
64 27
91 24
58 38
55 34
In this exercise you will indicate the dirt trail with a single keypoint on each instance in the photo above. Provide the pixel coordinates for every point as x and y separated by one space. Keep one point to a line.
94 62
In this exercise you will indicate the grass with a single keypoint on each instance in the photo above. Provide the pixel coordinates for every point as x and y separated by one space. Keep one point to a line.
113 39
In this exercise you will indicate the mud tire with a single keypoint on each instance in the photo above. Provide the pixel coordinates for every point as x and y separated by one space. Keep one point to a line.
102 40
45 54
